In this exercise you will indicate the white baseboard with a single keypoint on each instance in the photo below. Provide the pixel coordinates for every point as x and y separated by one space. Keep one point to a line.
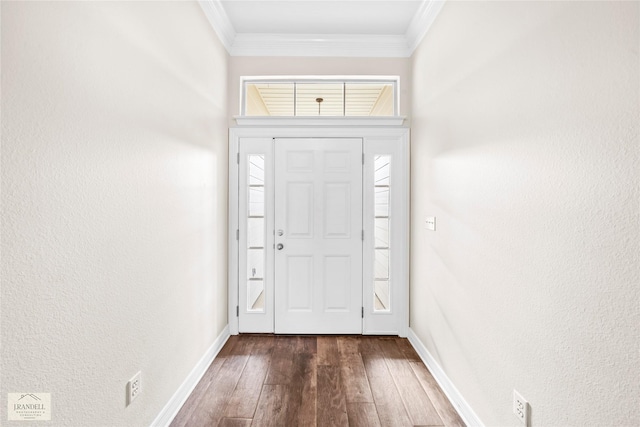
464 410
174 404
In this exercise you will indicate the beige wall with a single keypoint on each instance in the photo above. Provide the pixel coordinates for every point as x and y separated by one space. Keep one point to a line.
292 66
525 146
114 171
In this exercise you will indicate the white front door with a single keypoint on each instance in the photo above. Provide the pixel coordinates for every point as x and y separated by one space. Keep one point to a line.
318 235
338 205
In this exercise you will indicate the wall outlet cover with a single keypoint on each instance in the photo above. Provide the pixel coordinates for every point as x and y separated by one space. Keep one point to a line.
521 408
134 387
431 223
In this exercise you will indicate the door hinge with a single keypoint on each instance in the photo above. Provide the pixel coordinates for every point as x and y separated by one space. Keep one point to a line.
363 312
237 234
237 311
238 158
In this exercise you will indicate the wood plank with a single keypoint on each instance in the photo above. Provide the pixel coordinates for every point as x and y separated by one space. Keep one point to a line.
332 408
369 346
416 401
272 406
185 413
394 358
299 406
263 344
362 415
389 405
352 372
243 401
281 362
309 404
235 422
210 409
328 351
310 344
445 409
407 350
348 344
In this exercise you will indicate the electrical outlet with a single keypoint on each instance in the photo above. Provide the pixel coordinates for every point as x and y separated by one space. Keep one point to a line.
431 223
521 408
134 387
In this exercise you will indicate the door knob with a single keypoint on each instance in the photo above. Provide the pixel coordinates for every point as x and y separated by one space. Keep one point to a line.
280 246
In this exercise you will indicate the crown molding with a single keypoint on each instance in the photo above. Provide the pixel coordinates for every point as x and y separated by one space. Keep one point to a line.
421 22
341 45
350 45
218 19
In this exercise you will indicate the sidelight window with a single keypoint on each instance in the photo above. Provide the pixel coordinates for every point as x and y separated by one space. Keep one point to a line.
381 288
255 233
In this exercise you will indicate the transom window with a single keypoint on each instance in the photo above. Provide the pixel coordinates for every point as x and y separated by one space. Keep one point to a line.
331 96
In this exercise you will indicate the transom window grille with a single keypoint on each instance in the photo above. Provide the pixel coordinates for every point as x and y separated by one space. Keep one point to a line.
327 97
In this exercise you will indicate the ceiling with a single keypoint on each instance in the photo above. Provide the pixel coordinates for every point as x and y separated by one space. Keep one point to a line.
377 28
321 17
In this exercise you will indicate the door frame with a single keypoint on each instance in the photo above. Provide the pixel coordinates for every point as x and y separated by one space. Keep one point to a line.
373 136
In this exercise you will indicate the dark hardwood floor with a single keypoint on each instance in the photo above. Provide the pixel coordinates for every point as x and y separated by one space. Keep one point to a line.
332 381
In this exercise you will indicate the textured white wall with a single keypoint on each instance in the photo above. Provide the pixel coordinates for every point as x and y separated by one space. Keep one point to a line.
525 146
294 66
113 203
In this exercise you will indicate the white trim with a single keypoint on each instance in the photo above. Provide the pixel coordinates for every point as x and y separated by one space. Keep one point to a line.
405 221
336 45
171 409
217 17
397 319
455 397
319 121
370 131
421 23
234 244
248 321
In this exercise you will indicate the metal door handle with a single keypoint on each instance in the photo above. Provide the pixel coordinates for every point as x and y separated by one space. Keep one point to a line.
280 246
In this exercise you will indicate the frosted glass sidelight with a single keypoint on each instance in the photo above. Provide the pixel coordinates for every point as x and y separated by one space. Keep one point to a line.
381 264
256 170
382 169
382 251
256 201
255 233
381 201
255 263
381 300
382 232
255 295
